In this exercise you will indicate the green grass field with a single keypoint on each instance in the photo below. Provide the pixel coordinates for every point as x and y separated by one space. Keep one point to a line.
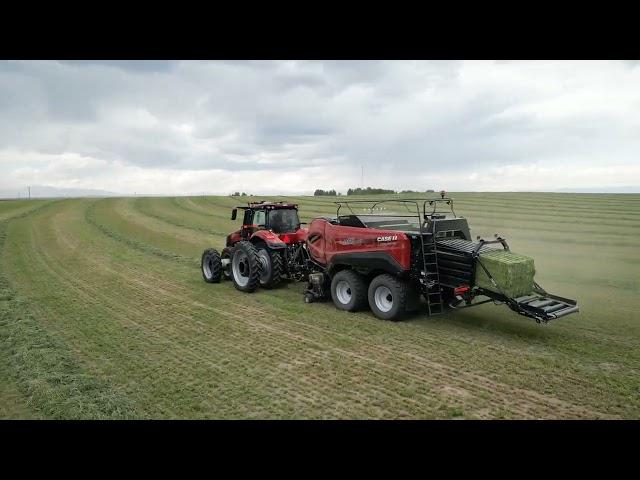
104 314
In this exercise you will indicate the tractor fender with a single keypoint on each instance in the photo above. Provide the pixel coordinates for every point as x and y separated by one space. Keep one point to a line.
271 239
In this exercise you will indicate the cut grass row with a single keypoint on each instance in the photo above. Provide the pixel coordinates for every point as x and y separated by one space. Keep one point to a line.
39 370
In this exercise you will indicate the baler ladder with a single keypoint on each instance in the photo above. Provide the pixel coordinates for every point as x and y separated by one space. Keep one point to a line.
433 290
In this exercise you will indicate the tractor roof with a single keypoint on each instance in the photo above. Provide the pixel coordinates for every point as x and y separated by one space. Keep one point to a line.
268 205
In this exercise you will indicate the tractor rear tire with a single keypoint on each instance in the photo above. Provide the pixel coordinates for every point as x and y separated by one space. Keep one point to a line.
246 267
272 266
227 253
349 291
211 266
389 297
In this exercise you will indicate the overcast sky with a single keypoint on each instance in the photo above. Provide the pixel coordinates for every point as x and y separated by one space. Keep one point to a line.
292 127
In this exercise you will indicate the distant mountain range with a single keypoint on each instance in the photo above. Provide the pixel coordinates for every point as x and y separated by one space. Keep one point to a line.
42 191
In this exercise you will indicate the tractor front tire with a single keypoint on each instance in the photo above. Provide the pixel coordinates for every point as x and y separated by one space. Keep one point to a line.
349 291
272 266
227 254
246 267
389 297
211 266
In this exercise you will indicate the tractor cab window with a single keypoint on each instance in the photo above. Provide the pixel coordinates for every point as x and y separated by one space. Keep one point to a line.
259 218
284 220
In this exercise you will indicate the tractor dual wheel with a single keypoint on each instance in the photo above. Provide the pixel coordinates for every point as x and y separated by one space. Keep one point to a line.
246 267
389 297
211 266
349 291
272 266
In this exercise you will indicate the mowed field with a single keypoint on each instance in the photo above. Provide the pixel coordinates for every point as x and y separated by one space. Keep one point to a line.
104 314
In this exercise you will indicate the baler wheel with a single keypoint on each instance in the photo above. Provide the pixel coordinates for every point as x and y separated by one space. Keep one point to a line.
246 267
211 266
349 291
389 297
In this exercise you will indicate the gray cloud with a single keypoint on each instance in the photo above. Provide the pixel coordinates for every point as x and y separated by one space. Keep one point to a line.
178 127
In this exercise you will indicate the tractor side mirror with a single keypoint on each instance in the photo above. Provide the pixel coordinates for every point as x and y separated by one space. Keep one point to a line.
234 213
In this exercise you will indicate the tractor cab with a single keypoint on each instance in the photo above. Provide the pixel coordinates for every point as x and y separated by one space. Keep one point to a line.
278 217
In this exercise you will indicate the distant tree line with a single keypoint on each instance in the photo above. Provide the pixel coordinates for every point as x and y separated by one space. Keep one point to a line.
415 191
362 191
368 191
238 194
330 193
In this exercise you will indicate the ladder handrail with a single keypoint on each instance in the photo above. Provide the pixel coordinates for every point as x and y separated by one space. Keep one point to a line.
433 251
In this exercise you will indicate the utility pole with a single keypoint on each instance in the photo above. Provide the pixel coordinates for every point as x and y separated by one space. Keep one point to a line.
362 178
29 188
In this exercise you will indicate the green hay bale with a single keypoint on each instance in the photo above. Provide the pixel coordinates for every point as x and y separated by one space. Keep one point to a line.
511 271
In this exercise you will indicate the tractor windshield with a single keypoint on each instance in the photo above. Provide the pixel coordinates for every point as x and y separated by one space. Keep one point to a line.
283 220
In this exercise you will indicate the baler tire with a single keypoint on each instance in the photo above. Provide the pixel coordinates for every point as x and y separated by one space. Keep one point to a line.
349 291
389 297
274 267
245 259
227 252
211 266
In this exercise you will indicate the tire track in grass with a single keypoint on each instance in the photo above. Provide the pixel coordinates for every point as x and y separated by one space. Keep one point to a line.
260 312
19 208
189 205
43 367
97 300
549 236
180 224
147 230
97 315
477 215
540 224
541 200
90 218
627 210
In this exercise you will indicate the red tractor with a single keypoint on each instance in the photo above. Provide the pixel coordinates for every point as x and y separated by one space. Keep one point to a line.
263 251
391 260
